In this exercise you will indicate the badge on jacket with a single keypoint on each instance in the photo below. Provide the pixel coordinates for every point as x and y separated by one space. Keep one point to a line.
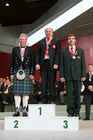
54 46
78 57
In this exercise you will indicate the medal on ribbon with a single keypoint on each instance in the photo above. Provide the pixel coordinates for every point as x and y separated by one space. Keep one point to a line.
47 45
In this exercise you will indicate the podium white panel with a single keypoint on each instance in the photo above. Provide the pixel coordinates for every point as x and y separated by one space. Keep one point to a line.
16 123
42 110
42 117
52 124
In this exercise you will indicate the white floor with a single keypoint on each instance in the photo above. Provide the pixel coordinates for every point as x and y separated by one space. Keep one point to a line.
85 129
85 133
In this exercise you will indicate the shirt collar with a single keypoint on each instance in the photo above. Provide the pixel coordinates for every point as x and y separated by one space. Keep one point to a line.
90 73
74 48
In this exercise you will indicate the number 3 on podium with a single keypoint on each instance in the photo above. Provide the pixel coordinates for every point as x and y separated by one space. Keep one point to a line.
65 124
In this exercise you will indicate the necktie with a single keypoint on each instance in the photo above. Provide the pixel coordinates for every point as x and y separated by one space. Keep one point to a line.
71 52
47 47
46 51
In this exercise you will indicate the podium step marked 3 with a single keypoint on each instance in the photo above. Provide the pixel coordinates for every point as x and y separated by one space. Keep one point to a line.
42 117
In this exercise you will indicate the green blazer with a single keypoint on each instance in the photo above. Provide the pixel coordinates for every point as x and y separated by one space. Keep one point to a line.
72 69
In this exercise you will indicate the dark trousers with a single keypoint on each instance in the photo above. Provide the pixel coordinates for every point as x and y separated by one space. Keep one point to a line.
48 77
88 101
8 98
73 97
2 106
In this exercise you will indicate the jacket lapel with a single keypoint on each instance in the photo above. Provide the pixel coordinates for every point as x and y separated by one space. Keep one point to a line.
26 52
68 53
44 45
50 44
18 52
76 53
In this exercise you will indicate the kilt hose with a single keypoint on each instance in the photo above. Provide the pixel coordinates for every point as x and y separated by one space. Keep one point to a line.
22 87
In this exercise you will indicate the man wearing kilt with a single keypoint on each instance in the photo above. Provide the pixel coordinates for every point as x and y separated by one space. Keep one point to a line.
22 74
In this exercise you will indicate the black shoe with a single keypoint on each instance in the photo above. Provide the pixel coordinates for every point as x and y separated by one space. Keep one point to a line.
52 102
77 115
62 103
39 102
70 115
44 102
86 119
17 113
25 112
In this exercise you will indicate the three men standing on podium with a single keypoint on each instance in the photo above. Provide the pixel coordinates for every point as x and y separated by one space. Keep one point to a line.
72 70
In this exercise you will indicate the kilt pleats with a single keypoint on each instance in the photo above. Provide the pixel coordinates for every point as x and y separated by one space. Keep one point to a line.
22 87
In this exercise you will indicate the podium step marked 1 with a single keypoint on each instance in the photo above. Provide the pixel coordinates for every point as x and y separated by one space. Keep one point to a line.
42 117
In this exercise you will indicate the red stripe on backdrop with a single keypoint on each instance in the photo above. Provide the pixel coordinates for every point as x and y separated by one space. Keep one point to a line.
4 64
37 73
87 44
35 47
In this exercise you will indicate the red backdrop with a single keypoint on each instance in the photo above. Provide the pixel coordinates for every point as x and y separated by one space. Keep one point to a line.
84 42
4 64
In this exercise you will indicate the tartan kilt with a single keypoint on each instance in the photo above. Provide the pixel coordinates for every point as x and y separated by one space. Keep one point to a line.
22 87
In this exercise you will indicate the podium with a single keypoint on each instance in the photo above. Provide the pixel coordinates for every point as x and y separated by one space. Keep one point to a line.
42 117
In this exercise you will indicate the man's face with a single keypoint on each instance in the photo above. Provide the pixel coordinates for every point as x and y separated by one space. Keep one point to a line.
22 40
49 32
90 68
71 41
7 82
1 80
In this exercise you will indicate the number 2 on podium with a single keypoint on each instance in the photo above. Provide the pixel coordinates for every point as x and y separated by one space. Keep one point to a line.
16 124
40 111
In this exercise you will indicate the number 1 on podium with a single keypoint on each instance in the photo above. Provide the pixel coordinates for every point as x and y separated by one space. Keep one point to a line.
40 110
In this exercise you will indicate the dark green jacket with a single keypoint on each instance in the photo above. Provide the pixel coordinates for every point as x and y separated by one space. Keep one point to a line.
72 69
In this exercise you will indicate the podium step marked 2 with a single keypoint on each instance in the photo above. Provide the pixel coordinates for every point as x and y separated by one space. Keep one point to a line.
42 117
